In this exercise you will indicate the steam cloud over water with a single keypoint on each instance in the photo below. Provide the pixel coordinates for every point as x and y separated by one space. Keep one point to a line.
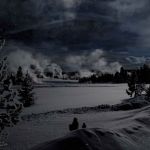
93 61
82 63
32 64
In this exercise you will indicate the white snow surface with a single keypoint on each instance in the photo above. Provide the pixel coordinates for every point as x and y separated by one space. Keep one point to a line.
61 96
112 130
121 130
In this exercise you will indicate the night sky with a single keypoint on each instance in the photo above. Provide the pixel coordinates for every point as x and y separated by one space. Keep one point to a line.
57 28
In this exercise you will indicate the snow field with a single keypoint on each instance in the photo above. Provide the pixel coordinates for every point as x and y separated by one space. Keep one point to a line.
70 96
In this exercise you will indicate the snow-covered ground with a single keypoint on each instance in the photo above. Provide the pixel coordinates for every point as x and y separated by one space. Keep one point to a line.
76 95
123 130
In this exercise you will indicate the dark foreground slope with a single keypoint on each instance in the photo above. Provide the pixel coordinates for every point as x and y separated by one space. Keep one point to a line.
89 139
131 132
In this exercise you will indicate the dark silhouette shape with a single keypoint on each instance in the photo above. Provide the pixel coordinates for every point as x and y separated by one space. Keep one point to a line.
98 77
147 93
19 76
25 93
74 125
83 125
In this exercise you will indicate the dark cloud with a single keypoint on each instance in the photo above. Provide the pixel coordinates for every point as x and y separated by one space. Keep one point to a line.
62 27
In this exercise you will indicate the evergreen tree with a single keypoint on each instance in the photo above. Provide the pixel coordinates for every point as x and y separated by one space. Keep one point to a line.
147 96
10 107
13 78
135 88
19 76
123 75
26 91
132 85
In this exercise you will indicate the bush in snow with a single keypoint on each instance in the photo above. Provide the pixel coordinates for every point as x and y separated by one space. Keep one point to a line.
74 125
25 93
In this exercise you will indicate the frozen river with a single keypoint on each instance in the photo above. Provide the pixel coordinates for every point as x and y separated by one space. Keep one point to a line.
52 98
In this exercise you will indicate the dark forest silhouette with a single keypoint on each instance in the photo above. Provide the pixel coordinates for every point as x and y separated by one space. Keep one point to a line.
141 75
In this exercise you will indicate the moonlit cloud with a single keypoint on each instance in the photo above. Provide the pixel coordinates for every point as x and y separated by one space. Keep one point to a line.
94 61
78 26
138 60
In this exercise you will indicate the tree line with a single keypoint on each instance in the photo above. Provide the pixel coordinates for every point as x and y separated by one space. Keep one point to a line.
24 85
141 75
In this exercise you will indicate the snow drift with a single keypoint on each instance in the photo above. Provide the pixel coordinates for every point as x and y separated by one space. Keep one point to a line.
128 130
90 139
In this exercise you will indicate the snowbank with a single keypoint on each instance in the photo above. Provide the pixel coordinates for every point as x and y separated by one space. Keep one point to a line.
128 130
127 104
124 129
89 139
132 103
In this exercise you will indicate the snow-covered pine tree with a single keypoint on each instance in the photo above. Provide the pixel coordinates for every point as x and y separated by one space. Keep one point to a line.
25 92
10 107
134 88
19 76
131 85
